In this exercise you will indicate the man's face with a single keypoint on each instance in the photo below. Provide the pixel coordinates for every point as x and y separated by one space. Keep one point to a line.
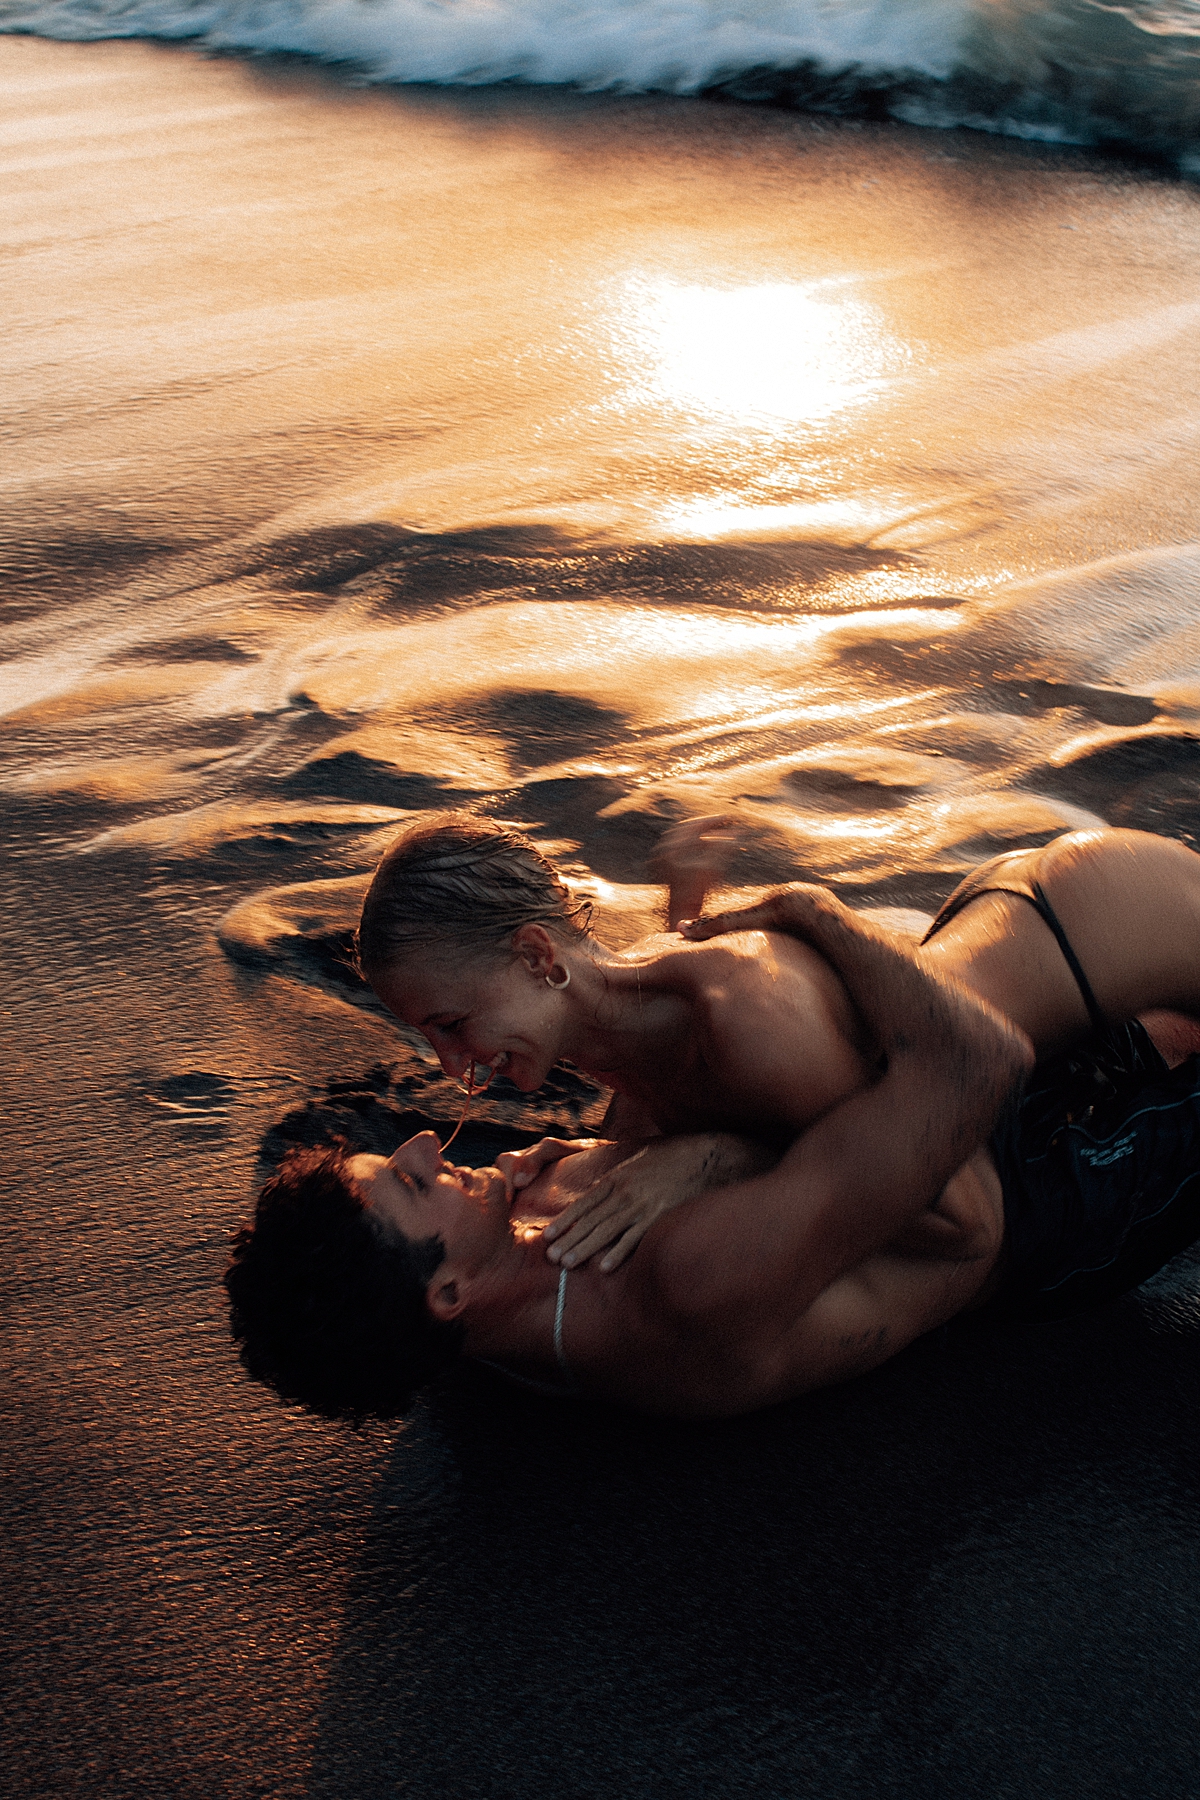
417 1192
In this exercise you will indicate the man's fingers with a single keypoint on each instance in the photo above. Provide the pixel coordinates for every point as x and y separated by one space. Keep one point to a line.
787 909
747 918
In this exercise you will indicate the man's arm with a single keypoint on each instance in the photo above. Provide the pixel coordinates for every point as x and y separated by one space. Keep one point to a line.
768 1247
1129 903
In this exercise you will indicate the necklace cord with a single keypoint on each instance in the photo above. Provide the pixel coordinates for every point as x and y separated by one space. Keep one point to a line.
471 1091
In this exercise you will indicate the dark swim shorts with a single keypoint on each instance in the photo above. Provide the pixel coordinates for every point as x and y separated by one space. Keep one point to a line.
1100 1165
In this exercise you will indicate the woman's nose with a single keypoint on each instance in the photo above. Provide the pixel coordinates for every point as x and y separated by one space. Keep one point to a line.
455 1063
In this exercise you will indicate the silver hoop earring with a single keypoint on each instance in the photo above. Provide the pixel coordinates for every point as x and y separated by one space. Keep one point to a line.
558 986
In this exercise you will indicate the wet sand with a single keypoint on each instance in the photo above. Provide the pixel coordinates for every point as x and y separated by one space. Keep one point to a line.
594 461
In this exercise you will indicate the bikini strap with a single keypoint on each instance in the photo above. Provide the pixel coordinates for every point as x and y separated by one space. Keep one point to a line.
1095 1014
1009 874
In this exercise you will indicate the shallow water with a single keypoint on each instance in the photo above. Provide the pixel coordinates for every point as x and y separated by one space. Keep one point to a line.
594 461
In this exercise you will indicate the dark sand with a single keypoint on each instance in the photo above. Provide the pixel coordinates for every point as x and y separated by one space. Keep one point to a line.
268 327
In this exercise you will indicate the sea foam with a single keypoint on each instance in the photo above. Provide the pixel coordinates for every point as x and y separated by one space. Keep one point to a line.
1074 71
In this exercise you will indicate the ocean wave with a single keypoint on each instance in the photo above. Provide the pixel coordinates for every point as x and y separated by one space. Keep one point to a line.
1073 71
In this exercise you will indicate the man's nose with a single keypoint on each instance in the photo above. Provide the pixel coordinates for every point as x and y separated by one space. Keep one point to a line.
426 1149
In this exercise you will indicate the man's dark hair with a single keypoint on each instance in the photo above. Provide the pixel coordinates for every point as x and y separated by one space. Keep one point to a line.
328 1305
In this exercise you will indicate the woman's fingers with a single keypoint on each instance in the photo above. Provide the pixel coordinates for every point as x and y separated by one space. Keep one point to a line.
705 843
579 1210
624 1246
689 829
601 1236
572 1232
600 1226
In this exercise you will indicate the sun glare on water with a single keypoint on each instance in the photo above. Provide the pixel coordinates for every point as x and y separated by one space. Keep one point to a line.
774 352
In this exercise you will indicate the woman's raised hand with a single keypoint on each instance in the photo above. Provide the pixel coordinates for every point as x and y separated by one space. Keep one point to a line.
691 857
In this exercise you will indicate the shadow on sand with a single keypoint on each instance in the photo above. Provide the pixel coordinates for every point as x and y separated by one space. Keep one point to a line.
973 1572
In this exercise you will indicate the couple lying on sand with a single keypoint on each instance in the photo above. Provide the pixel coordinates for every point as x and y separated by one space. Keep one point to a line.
826 1139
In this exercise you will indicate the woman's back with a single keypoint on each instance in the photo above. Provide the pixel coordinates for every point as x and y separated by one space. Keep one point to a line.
766 1039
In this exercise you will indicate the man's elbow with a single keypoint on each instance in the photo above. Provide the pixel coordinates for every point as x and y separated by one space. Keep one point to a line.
993 1065
1016 1062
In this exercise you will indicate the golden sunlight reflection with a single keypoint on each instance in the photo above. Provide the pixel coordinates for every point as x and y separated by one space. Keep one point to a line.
775 351
723 515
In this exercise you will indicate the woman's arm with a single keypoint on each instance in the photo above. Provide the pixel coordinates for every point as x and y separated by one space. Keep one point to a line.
611 1193
691 859
620 1203
627 1119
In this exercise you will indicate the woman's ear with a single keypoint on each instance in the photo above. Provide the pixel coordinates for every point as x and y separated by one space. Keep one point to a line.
445 1300
536 949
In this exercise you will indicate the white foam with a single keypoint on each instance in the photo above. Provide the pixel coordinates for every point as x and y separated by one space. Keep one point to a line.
1073 70
680 45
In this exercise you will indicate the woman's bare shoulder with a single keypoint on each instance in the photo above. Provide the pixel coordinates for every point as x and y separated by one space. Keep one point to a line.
718 968
773 1024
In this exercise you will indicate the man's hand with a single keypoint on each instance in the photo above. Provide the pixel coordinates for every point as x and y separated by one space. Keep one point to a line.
859 1177
794 909
615 1214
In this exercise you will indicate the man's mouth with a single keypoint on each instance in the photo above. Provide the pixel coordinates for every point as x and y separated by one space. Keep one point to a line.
487 1186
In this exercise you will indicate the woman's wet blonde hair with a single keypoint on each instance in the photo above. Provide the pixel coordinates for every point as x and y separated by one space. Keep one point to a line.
463 882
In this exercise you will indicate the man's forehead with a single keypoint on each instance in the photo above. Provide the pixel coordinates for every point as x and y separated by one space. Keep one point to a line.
364 1162
364 1170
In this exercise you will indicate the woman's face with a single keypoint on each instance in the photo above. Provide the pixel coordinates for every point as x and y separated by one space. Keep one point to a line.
494 1011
